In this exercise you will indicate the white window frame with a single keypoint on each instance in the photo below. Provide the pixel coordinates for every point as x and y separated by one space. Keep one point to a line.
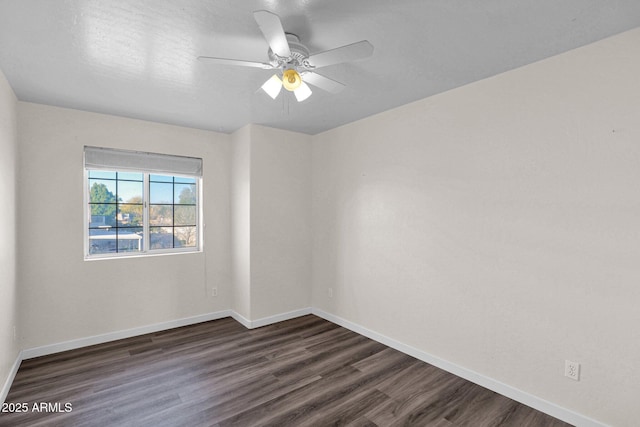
135 167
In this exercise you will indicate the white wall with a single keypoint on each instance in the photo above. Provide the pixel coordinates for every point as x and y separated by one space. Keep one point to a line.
8 239
241 220
496 226
280 221
66 297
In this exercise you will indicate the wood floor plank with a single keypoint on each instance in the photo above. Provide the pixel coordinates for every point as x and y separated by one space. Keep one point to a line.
302 372
362 422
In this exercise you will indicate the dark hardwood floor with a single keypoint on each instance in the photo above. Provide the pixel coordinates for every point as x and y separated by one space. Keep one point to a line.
304 371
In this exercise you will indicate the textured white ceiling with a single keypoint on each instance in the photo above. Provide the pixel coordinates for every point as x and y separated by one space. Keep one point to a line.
137 58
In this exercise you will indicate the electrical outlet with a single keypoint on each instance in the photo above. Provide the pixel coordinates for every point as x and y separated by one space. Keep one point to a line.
330 292
572 370
214 292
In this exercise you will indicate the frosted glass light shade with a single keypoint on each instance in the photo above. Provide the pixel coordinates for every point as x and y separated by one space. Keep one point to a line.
272 86
303 92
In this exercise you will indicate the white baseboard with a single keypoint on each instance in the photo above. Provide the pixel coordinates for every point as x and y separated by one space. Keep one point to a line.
258 323
12 374
128 333
484 381
241 319
279 317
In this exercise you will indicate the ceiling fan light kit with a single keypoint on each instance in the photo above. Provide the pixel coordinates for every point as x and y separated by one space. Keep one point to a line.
291 80
302 92
272 86
292 59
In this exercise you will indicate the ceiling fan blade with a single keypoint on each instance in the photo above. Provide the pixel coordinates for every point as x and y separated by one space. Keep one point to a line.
324 83
350 52
240 62
302 92
271 27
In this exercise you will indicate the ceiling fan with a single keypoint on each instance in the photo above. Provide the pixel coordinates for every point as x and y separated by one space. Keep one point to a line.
296 67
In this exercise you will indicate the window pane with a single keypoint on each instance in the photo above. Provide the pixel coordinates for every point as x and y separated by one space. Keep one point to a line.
185 194
161 193
185 237
102 241
160 215
181 180
160 178
185 215
129 215
102 174
130 240
130 191
130 176
160 237
120 203
102 215
102 191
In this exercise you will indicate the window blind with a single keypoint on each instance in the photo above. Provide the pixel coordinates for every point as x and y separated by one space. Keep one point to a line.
137 161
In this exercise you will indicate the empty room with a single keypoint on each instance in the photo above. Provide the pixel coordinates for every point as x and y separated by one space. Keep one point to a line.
314 213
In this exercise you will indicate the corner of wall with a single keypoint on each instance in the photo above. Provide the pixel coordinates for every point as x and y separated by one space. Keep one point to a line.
9 291
271 221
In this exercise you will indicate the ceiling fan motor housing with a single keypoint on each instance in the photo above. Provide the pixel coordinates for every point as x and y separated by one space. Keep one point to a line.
298 58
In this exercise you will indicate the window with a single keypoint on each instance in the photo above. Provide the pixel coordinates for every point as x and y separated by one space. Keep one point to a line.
140 203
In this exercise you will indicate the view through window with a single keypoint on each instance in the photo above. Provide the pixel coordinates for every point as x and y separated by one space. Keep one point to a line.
131 212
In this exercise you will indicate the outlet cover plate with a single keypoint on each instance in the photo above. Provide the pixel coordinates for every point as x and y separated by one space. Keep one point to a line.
572 370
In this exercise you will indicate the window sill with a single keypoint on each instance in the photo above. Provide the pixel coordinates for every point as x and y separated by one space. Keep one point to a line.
142 255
